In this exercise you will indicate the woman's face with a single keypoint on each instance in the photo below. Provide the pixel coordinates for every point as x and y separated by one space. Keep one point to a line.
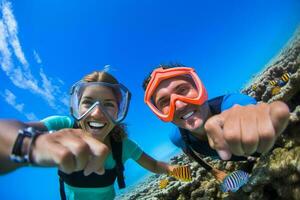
96 122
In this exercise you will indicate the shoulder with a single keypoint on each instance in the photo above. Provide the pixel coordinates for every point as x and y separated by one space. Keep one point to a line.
57 122
236 98
129 143
131 149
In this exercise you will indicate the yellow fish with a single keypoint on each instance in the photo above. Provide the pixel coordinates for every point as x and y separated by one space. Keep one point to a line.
182 173
254 87
275 90
273 82
163 183
285 77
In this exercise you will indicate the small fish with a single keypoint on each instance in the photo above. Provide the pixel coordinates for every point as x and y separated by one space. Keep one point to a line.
254 87
285 77
163 183
273 82
182 173
275 90
234 181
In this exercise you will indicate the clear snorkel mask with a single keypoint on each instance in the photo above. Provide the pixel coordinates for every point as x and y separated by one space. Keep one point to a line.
114 112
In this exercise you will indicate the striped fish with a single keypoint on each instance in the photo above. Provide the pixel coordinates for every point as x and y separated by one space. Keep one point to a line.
182 173
254 87
273 82
163 183
285 77
234 181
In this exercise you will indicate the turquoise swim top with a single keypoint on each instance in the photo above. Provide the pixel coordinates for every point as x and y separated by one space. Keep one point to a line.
129 150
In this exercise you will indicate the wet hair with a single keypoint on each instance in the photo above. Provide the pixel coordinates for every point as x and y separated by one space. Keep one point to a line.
164 66
119 132
102 76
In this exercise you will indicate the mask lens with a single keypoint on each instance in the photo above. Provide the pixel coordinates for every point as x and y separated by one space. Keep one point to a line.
111 99
184 88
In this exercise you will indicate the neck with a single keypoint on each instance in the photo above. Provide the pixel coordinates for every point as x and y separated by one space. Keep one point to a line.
200 132
106 141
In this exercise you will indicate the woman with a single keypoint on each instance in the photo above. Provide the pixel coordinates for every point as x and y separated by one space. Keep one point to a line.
98 104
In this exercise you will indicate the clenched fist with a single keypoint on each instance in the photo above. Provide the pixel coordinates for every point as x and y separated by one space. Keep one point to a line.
243 130
71 150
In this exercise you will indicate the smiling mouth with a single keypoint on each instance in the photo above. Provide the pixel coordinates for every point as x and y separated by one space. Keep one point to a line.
96 125
188 115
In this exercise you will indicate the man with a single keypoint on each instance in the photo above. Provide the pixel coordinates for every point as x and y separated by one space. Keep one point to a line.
224 126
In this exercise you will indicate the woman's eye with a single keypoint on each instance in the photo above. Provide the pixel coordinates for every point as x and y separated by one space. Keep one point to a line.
109 104
85 103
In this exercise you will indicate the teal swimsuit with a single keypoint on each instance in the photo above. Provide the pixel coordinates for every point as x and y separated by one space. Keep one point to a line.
129 150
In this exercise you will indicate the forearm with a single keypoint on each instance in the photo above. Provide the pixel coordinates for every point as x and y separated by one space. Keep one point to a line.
153 165
161 168
8 134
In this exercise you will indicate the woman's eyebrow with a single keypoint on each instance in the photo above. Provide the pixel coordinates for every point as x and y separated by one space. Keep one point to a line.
87 97
91 98
109 100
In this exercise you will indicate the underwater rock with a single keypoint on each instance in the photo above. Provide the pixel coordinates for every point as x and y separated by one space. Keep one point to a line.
275 175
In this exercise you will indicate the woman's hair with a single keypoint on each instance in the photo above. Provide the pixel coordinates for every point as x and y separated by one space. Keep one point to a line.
100 76
119 131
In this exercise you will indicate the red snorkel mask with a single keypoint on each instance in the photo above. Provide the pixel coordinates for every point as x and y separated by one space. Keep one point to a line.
159 75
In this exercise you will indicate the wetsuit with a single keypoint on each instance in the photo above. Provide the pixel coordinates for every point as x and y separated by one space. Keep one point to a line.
216 105
76 185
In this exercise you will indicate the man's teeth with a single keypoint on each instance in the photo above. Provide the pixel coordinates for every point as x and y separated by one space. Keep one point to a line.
96 124
188 115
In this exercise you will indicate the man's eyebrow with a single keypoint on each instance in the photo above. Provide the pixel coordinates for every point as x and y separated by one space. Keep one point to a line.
180 85
175 89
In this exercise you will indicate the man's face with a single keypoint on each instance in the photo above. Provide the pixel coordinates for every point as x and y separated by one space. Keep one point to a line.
187 116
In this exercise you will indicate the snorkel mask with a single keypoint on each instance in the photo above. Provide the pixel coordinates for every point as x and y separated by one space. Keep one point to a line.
120 91
159 75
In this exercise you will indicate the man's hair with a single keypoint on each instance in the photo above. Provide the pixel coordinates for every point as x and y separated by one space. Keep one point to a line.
164 66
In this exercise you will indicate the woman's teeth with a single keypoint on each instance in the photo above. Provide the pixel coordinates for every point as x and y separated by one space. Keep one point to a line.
96 124
188 115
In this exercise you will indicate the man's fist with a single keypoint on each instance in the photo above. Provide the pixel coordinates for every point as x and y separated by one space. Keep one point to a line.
243 130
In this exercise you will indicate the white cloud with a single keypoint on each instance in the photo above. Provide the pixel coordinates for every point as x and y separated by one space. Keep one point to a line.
37 57
11 99
12 28
14 63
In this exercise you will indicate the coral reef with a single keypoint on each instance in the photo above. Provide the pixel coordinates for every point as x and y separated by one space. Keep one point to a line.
275 175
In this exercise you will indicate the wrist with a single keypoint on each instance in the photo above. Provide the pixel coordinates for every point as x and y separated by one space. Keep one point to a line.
22 149
25 146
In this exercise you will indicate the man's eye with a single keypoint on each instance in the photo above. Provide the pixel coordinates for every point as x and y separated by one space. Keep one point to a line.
182 90
164 103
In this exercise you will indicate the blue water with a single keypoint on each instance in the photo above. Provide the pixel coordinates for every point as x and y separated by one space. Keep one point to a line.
226 41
